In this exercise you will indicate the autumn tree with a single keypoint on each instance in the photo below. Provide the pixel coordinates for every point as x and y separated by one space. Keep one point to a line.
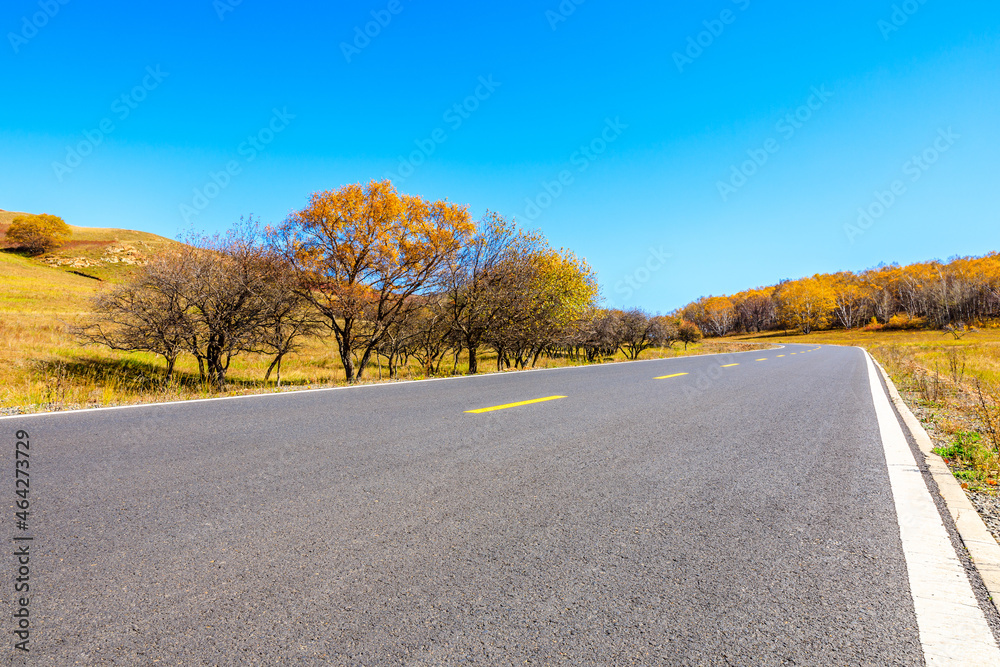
429 336
475 281
38 233
806 304
362 252
720 315
882 282
394 346
286 319
688 333
755 310
852 300
225 284
935 293
665 332
211 297
542 292
597 333
145 314
638 331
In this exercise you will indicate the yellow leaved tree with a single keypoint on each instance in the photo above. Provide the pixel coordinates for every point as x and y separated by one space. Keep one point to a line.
38 233
807 304
365 254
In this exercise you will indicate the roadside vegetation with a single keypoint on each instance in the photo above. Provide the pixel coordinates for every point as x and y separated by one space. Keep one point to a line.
364 284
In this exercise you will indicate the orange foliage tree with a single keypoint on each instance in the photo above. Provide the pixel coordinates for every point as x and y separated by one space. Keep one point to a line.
806 304
950 296
363 252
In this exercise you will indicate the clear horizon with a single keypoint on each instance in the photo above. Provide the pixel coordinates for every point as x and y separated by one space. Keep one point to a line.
683 151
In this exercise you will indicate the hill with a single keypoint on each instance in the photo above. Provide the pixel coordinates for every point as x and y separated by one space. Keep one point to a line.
95 252
41 297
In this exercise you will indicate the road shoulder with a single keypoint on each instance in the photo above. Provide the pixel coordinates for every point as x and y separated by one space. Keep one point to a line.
983 549
952 623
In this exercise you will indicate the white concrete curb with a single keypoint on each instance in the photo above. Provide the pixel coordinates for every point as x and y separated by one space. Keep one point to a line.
983 549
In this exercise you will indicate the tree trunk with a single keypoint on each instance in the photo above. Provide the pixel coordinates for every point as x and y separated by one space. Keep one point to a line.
473 360
275 364
365 358
345 356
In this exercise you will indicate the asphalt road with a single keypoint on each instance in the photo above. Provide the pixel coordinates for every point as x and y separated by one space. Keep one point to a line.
738 514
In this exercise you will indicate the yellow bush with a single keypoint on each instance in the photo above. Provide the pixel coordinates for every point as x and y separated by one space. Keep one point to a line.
38 233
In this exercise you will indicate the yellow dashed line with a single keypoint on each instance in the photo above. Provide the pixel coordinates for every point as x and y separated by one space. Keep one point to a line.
514 405
667 377
762 360
780 356
730 365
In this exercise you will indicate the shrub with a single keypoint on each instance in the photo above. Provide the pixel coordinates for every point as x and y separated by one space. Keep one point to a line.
873 325
903 322
38 233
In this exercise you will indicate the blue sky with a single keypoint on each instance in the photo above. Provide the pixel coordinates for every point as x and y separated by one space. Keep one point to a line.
702 148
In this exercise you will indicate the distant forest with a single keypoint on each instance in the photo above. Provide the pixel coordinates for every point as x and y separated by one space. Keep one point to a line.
956 295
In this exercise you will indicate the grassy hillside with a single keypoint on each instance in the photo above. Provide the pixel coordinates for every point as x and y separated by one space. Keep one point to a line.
105 254
28 286
42 297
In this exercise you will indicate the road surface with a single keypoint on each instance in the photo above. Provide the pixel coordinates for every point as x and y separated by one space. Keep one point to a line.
718 510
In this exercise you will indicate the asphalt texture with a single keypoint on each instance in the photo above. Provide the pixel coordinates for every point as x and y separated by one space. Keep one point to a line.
730 516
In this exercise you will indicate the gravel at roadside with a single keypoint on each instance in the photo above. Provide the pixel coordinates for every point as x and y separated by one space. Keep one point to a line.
986 502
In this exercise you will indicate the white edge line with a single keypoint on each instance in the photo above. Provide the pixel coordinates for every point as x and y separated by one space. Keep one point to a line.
952 627
389 383
983 548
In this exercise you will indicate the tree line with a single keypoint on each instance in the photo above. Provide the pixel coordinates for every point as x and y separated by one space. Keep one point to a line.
951 295
388 276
